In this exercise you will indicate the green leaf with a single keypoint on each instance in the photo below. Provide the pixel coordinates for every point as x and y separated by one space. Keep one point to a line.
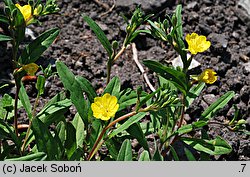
217 146
217 105
112 146
185 129
70 142
194 92
61 132
189 154
80 132
5 38
77 155
136 33
144 156
54 112
44 140
38 156
7 132
190 127
147 128
4 19
113 87
157 155
159 30
76 95
58 97
127 124
125 153
87 88
179 21
96 129
136 132
100 34
148 97
174 153
178 78
40 84
7 103
25 101
129 97
163 82
35 49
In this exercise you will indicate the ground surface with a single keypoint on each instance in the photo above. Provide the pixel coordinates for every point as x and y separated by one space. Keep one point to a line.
80 50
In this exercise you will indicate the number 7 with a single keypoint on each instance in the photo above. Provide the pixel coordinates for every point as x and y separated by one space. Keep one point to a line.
244 165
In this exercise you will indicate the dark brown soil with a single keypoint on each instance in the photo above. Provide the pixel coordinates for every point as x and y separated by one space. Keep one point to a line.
80 50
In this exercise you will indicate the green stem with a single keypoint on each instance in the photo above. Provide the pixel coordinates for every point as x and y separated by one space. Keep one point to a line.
164 152
111 62
182 111
30 123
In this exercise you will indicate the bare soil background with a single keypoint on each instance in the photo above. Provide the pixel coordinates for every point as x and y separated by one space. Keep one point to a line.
80 50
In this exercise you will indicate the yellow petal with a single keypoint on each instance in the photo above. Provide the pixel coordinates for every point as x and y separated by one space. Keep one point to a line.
105 107
208 76
26 11
197 43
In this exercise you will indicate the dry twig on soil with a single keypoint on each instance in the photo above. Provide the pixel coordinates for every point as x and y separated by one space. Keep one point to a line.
135 58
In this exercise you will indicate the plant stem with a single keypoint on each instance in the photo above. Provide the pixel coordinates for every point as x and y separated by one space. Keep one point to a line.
111 62
30 123
109 65
119 54
105 129
164 152
182 111
15 47
15 107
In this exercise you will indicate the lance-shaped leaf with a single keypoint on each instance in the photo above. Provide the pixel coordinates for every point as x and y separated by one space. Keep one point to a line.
217 105
38 156
4 19
25 101
127 124
144 156
125 153
87 88
35 49
5 38
100 34
136 132
113 88
76 95
44 140
217 146
178 78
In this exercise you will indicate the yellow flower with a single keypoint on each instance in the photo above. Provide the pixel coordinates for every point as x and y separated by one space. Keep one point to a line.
105 107
197 43
31 68
208 76
26 11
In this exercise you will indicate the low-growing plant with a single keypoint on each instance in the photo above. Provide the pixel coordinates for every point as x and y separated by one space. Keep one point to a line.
114 118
